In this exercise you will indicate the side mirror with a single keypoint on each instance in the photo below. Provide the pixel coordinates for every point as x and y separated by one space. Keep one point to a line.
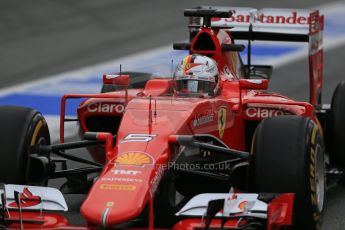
115 79
259 71
254 84
181 46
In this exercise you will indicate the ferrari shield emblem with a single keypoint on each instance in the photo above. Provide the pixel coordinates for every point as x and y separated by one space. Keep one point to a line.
221 121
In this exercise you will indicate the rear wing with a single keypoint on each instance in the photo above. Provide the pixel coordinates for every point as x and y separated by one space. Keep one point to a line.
271 24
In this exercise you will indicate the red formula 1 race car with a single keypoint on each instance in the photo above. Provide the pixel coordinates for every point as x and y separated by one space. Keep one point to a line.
208 148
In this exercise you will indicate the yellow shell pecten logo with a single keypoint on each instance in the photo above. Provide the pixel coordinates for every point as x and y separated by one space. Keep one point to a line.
134 158
221 121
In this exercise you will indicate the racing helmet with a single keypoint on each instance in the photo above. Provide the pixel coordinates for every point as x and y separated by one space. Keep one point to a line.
196 75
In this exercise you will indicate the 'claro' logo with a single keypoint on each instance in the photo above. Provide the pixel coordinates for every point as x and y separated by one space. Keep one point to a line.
106 108
261 113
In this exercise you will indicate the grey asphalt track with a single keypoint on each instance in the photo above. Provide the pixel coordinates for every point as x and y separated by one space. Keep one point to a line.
43 37
39 38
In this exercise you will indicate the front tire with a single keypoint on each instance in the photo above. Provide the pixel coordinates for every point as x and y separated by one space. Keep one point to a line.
22 130
288 157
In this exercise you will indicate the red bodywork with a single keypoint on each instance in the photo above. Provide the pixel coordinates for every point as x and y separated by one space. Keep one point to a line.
124 197
147 117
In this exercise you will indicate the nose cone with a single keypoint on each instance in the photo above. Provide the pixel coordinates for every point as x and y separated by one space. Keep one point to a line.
117 196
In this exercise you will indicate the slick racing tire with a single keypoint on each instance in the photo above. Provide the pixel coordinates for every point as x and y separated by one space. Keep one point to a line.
137 80
22 129
288 157
337 127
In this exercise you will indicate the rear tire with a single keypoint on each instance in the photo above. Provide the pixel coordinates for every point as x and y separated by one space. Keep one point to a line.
22 129
288 157
337 127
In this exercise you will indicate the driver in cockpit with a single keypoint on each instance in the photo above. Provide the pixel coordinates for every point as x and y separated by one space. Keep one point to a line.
197 75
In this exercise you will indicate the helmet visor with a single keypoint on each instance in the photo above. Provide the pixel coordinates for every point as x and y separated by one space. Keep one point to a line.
194 86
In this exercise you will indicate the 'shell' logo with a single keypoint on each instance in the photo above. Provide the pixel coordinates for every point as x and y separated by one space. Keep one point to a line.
27 199
134 158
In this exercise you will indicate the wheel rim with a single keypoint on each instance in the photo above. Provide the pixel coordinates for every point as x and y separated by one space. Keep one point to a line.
40 141
319 177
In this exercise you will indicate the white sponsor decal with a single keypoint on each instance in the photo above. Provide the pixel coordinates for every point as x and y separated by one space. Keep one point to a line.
125 172
294 18
106 108
138 138
121 179
155 182
263 113
246 203
203 119
255 81
111 76
35 198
